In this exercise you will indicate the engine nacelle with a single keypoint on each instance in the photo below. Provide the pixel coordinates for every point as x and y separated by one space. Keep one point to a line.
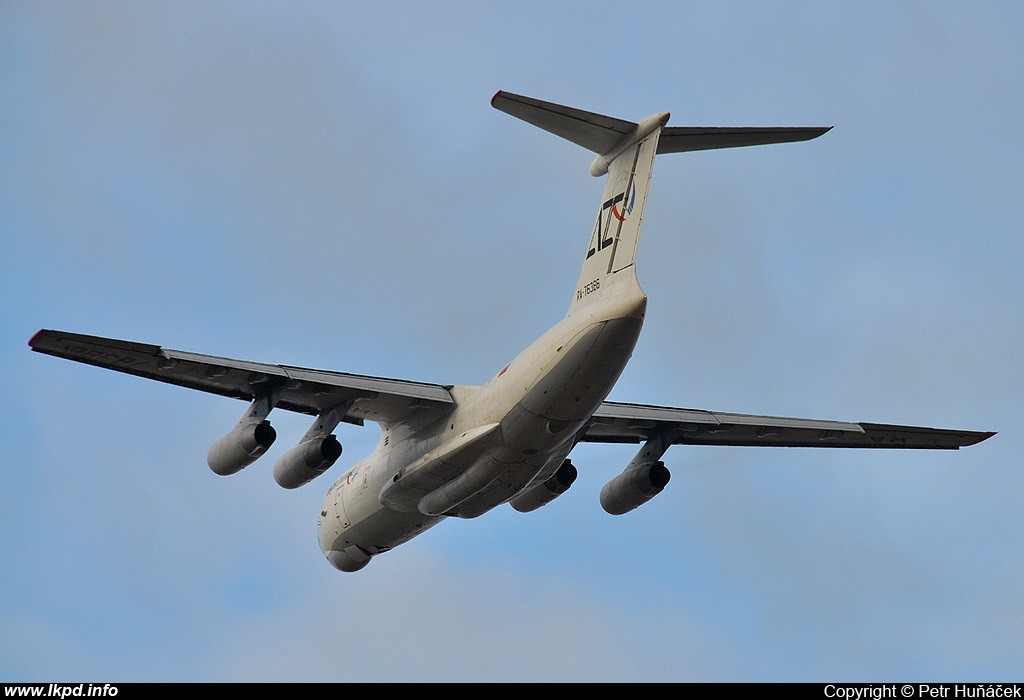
542 494
634 487
306 461
241 447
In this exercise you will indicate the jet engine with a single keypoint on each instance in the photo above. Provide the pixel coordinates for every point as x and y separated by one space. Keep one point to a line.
251 437
543 493
306 461
316 452
634 487
241 447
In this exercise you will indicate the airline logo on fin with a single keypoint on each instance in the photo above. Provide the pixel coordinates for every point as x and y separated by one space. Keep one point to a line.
621 213
620 207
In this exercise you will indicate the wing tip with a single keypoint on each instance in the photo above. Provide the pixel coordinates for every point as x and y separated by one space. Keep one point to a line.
924 438
36 339
974 438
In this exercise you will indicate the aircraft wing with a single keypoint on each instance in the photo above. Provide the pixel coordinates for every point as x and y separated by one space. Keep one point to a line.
308 391
635 423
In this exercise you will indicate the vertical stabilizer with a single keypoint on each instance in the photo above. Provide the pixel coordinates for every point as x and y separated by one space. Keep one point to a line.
625 151
611 251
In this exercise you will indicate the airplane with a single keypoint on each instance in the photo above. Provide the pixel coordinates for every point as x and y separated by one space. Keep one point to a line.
459 451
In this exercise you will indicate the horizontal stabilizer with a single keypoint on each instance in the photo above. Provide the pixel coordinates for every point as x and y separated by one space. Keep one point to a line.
602 134
595 132
678 139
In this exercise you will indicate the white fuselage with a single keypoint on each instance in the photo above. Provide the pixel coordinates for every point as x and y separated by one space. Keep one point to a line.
519 427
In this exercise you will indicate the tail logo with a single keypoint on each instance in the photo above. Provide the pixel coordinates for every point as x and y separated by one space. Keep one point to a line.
622 213
620 207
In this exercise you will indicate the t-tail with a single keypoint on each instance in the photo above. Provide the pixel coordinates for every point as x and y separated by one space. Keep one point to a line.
625 152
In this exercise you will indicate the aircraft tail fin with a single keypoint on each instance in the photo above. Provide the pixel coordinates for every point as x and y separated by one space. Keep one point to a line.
625 152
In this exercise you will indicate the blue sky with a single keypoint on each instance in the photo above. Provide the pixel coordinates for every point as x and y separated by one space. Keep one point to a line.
327 186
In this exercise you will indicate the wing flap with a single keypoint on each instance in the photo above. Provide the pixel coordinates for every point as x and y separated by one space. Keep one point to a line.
301 390
635 423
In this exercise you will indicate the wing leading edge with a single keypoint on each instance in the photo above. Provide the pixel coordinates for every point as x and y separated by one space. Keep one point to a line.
635 423
309 391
